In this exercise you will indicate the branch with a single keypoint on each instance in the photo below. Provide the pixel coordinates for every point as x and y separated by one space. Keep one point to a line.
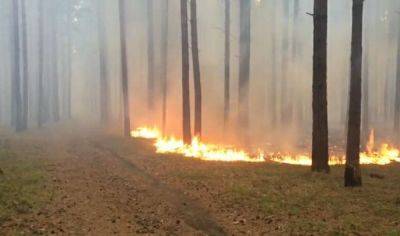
310 14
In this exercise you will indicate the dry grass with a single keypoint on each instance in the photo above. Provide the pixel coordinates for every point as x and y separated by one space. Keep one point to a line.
243 198
292 200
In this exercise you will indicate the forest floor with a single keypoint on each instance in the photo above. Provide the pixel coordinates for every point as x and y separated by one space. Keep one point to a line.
58 182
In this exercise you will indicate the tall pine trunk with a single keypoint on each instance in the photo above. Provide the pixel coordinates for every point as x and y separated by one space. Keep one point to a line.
298 102
25 72
227 83
353 173
41 118
164 63
365 92
196 70
320 150
124 69
104 96
397 98
274 78
16 100
285 91
150 55
244 67
187 136
68 103
54 54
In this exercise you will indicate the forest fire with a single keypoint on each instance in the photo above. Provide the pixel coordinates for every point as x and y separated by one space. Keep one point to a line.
196 149
382 156
211 152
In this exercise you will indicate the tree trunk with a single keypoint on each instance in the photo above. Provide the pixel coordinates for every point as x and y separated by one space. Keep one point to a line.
41 101
68 103
320 152
164 63
227 83
285 91
25 72
54 45
244 67
16 100
274 78
124 69
187 136
102 64
298 102
365 93
353 172
296 11
150 54
397 98
196 70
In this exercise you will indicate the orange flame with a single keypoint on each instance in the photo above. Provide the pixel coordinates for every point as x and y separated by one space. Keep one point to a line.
211 152
196 149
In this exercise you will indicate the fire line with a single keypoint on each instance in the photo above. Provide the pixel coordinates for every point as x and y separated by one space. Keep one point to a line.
211 152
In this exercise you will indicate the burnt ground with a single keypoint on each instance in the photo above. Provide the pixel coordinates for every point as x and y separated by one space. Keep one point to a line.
58 182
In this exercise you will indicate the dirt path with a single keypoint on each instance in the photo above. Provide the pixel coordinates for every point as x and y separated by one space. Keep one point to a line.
190 211
99 192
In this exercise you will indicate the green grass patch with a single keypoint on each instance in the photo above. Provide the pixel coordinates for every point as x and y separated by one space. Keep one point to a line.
23 186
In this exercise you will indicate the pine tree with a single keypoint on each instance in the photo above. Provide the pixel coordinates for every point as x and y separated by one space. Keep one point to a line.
320 152
353 172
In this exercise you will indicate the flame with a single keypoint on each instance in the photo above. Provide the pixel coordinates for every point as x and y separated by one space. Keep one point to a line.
204 151
196 149
147 133
303 159
386 154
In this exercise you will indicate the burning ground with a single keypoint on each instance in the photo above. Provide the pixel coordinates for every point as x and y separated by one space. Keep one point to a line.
384 154
99 183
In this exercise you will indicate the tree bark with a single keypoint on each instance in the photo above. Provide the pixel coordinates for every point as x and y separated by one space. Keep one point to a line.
227 83
298 102
54 54
150 55
365 93
41 118
397 98
164 63
274 79
25 72
196 70
187 136
104 97
68 103
285 90
353 172
16 100
244 66
320 152
124 69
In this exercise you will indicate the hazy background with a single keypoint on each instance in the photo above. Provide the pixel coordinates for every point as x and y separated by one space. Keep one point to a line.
380 30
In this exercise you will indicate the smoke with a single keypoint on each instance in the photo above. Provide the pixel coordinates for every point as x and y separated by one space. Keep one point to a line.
280 113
